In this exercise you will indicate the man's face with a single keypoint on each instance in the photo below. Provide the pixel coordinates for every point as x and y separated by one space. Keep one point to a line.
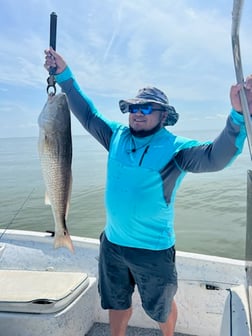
144 122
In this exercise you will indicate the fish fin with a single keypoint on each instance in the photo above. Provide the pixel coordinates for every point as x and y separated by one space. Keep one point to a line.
47 200
69 196
63 240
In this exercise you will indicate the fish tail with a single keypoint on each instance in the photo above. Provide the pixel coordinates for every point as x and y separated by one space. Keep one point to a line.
63 240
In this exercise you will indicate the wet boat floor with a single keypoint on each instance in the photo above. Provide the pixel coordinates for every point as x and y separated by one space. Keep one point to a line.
102 329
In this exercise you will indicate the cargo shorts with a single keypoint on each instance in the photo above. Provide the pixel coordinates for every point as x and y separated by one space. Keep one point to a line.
154 273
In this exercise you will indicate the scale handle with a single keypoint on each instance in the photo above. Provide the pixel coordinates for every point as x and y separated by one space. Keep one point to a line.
51 88
53 30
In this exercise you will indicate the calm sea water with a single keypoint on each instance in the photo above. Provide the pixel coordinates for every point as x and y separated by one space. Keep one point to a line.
210 208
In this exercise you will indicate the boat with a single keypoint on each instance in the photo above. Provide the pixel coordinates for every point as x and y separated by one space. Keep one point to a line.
48 291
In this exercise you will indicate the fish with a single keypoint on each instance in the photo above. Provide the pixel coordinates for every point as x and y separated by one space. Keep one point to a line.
55 154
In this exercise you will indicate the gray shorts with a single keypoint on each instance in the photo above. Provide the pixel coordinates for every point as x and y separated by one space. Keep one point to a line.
154 273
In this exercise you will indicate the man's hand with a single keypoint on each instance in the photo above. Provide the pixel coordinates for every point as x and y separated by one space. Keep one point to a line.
54 60
235 95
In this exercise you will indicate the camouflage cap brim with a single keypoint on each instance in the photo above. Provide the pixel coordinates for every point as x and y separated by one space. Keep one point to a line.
172 117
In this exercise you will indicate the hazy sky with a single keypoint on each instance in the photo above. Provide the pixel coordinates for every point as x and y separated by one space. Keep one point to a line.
115 47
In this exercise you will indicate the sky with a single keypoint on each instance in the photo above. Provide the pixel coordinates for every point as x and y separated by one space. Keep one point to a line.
116 47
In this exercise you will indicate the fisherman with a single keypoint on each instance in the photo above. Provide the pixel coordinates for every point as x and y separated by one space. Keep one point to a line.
146 164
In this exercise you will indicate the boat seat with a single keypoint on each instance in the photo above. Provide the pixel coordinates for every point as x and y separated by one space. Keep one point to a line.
28 291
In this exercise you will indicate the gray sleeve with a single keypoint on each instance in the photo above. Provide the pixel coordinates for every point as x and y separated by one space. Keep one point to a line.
216 155
84 109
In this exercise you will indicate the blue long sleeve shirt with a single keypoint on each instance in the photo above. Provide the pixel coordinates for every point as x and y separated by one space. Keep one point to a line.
141 184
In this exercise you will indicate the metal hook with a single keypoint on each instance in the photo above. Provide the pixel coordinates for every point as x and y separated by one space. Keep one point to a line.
51 85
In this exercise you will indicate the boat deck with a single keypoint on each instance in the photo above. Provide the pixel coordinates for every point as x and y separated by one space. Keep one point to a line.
102 329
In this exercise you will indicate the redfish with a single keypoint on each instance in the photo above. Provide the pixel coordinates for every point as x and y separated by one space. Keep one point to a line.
55 152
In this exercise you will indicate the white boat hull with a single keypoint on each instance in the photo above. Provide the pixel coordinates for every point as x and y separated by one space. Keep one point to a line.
205 284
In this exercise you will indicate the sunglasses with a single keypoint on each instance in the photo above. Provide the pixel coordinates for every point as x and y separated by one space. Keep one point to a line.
145 109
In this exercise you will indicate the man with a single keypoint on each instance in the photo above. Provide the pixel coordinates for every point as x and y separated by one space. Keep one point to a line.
146 164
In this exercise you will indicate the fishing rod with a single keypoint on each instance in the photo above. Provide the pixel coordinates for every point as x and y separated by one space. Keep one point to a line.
52 43
236 18
17 213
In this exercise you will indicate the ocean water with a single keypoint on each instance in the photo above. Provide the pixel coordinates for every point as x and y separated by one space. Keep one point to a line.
210 208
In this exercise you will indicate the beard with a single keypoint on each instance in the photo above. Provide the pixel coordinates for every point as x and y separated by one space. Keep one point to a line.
145 133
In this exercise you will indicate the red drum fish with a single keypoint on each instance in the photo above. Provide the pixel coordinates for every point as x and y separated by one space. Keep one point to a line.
55 152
